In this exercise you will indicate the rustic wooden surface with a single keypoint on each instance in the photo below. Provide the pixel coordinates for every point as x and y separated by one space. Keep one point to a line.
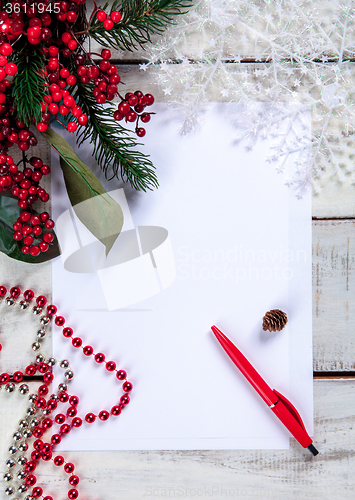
233 474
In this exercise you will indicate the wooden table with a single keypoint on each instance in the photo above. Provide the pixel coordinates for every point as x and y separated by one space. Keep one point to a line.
232 474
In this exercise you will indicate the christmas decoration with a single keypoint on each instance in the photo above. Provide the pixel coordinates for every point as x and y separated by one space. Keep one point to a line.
49 418
274 320
48 74
297 54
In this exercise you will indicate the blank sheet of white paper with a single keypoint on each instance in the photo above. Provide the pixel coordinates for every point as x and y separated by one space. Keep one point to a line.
222 241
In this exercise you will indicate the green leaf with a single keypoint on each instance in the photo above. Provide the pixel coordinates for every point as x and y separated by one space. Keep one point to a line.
9 212
103 216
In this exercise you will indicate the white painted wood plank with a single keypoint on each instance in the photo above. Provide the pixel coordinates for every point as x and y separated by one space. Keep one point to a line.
289 474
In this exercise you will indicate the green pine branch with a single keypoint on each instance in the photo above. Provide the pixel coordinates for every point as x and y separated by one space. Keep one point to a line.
29 86
113 144
140 20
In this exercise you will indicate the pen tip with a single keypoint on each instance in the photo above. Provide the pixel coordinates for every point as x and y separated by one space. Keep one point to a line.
313 449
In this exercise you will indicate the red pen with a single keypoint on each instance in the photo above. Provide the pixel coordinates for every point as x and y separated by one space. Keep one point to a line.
278 404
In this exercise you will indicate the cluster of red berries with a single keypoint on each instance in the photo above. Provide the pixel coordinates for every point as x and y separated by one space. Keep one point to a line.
6 68
25 186
131 108
108 21
14 132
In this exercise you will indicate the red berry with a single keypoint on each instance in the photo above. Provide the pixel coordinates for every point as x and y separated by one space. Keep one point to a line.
18 235
72 126
108 24
43 246
71 80
124 108
42 127
140 132
117 116
149 99
105 54
72 44
37 230
101 98
28 240
34 251
115 16
6 49
101 15
83 120
66 37
49 224
45 170
131 116
48 237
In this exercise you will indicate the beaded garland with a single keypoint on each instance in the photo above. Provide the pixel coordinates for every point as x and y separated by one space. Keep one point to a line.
39 416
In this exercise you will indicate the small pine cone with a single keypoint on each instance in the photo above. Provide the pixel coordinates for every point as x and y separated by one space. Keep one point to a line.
274 320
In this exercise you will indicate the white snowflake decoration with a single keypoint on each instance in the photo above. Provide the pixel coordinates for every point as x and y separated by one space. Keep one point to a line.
302 56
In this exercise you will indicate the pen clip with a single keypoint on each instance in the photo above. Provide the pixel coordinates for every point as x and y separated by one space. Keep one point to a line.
291 409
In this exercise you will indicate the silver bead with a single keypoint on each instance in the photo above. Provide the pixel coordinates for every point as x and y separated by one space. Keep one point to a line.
10 387
46 412
62 387
45 320
30 411
37 310
8 477
23 389
36 346
10 301
22 488
13 450
51 362
69 374
41 333
9 490
64 363
34 422
24 305
21 460
23 447
29 497
10 463
32 398
39 358
26 433
23 424
54 396
21 474
17 436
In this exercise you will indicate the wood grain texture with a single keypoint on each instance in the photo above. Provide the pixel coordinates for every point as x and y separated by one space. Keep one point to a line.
287 475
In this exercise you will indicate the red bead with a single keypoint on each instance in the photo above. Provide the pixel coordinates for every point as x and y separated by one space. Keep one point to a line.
37 432
28 295
59 321
71 412
110 366
40 402
48 498
37 491
43 367
127 386
58 461
41 301
48 377
125 399
31 480
90 418
99 357
51 310
17 376
115 410
43 390
15 292
38 444
121 375
4 378
69 467
47 423
65 429
104 415
47 456
73 480
52 404
30 466
3 291
74 400
88 350
63 397
56 439
60 418
47 447
73 494
77 422
67 332
30 370
77 342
